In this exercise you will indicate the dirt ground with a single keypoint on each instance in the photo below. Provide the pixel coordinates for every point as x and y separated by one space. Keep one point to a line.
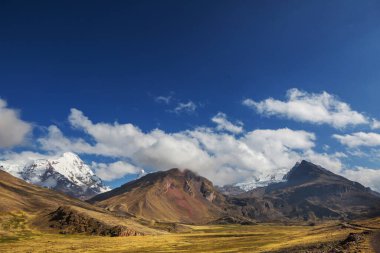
375 242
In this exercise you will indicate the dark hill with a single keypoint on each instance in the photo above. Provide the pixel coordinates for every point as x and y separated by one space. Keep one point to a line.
309 192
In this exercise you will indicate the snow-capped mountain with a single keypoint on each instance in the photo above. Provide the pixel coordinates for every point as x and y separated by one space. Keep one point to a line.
67 174
254 182
261 181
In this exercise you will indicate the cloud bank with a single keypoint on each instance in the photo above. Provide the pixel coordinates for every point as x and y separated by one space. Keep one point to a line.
115 170
13 130
220 156
226 153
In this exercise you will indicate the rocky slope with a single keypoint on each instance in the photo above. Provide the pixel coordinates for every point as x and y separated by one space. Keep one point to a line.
309 192
18 195
57 212
174 195
67 174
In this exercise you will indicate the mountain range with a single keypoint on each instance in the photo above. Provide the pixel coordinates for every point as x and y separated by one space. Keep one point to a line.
52 211
307 192
158 202
69 174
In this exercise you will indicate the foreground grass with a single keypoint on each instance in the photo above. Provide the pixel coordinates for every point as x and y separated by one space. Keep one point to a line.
228 238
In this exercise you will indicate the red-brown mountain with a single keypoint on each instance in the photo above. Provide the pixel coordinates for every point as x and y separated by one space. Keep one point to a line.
54 211
174 195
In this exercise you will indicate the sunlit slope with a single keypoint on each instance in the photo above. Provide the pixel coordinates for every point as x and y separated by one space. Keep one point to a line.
55 212
173 195
18 195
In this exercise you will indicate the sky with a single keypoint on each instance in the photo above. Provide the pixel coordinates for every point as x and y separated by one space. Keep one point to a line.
234 90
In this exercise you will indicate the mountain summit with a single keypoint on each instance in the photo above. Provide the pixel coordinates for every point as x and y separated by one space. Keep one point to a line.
309 192
67 174
174 195
306 171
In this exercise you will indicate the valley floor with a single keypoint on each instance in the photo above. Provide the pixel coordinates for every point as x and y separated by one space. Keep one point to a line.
16 236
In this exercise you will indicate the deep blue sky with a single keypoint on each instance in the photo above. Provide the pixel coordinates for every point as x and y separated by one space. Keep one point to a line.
110 59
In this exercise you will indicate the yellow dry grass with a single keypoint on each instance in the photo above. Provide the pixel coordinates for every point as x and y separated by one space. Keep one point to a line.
18 237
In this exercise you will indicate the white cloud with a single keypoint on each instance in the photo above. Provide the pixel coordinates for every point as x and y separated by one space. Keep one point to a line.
13 130
375 124
359 139
220 156
224 124
284 137
115 170
317 108
366 176
328 161
55 141
188 107
163 99
117 140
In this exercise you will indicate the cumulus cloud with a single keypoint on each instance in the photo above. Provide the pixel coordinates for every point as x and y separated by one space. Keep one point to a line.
115 170
188 107
282 137
225 154
55 141
375 124
359 139
317 108
223 124
13 130
220 156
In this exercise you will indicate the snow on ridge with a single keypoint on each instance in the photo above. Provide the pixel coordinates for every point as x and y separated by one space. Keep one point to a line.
67 168
73 168
263 180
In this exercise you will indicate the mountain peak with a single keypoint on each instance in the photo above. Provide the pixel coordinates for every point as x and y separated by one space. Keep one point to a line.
67 173
173 195
306 171
173 171
312 191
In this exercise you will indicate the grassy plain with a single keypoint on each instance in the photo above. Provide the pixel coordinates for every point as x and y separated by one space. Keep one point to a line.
17 236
